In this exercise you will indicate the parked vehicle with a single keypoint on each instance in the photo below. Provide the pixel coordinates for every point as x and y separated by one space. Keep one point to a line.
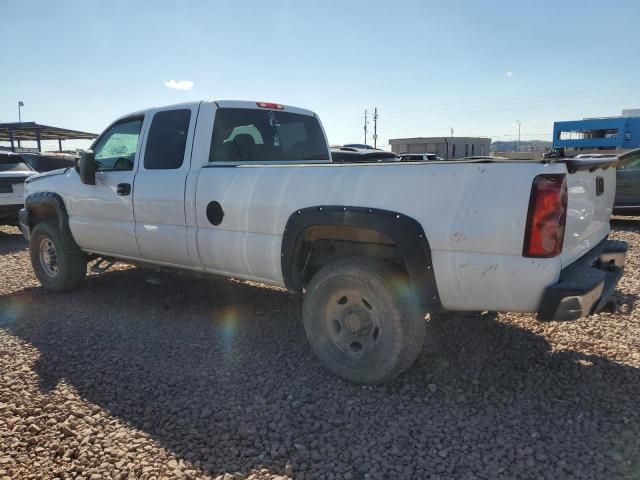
557 152
594 155
420 157
249 190
627 200
361 155
46 162
13 173
40 162
359 145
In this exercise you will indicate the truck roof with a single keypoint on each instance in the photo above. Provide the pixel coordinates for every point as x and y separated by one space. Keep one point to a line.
224 104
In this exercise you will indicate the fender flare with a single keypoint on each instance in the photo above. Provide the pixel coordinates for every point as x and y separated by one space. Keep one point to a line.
48 200
405 231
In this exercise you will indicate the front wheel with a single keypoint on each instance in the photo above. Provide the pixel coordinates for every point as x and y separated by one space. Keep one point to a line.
58 264
362 320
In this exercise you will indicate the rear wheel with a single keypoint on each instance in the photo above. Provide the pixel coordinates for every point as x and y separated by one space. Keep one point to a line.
58 264
362 320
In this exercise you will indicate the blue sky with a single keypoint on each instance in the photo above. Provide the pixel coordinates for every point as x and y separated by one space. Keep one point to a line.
475 66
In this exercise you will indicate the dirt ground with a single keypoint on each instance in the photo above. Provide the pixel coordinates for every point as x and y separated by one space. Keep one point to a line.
213 378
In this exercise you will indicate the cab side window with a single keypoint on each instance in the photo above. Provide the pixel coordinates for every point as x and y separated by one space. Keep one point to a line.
167 140
116 148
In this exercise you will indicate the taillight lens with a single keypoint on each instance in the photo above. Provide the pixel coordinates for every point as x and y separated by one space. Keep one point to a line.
547 217
272 106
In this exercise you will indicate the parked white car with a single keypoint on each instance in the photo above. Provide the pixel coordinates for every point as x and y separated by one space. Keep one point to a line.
248 190
13 173
419 157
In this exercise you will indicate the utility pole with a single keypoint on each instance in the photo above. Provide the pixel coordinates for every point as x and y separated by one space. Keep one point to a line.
450 128
518 145
375 127
366 113
20 105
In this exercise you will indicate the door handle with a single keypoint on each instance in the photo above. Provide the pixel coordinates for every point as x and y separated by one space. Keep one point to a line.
123 189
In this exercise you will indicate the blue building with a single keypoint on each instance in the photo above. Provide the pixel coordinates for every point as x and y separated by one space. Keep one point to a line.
609 133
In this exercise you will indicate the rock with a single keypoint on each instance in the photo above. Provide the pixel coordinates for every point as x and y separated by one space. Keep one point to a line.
288 470
33 428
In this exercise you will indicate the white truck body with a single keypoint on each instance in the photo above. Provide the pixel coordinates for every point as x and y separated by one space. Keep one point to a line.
474 213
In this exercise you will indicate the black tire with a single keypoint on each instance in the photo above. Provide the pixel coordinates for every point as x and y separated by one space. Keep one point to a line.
57 262
363 320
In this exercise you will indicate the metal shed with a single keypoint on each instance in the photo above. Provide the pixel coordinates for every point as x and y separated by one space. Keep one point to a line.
32 131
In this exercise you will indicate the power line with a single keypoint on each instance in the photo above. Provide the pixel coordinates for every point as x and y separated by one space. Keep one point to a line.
598 93
521 105
500 108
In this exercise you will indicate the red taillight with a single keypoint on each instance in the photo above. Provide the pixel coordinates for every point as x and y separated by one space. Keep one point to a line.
547 217
273 106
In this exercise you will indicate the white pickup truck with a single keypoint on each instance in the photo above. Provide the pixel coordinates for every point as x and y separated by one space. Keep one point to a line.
248 190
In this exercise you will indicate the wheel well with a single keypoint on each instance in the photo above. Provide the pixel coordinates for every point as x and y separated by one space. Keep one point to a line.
42 212
45 206
315 236
322 244
49 206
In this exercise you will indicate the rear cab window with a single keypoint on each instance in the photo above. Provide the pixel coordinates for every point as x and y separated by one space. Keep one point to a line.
246 135
13 163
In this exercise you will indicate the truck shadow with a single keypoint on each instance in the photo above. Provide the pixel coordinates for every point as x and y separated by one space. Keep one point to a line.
11 240
220 373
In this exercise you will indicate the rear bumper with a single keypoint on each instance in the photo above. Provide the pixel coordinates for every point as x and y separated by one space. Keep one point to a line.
586 285
9 214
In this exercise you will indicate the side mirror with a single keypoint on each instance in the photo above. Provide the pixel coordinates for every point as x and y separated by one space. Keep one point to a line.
86 167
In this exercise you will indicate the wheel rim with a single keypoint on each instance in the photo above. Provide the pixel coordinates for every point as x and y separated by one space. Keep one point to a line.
353 323
49 257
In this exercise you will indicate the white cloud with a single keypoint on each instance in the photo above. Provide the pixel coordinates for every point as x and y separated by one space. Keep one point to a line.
179 84
509 74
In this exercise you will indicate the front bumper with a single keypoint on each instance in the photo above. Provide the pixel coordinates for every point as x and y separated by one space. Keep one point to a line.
586 285
23 222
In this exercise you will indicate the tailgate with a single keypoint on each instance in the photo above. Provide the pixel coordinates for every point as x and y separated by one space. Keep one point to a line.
11 190
591 189
12 187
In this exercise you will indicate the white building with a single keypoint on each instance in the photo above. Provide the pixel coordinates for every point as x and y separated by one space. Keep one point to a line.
445 147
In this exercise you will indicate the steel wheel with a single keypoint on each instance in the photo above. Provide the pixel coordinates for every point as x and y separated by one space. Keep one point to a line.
57 261
48 257
360 323
354 326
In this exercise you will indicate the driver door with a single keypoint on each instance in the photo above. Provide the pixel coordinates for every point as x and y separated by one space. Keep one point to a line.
101 215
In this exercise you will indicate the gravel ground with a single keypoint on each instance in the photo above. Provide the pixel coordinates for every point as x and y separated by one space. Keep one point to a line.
214 379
